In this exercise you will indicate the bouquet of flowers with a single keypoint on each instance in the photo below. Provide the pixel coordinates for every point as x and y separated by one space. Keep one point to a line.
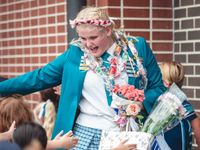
166 112
127 103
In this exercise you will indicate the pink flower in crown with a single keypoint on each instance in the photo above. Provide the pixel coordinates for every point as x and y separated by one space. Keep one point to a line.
133 109
97 22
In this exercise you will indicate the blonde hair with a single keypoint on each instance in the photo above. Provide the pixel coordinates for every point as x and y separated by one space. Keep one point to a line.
173 72
93 13
49 117
50 101
14 109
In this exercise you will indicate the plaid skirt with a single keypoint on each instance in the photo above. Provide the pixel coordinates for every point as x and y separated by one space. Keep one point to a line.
88 138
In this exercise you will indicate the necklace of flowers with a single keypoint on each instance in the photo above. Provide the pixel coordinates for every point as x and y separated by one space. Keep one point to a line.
116 65
125 43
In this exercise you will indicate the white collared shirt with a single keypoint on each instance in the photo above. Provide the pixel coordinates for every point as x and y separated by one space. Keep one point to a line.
95 111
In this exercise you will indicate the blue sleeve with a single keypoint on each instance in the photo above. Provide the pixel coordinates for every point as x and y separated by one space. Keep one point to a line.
45 77
155 85
190 111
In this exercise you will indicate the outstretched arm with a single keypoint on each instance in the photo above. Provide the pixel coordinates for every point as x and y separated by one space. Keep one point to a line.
45 77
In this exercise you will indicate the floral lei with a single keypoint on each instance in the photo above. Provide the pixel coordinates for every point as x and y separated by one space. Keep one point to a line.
109 74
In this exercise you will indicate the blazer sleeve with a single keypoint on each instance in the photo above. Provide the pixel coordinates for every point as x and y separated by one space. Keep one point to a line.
191 115
155 85
45 77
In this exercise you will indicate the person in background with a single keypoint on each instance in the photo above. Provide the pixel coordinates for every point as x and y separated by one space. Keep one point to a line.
86 72
14 109
45 111
180 137
30 136
14 112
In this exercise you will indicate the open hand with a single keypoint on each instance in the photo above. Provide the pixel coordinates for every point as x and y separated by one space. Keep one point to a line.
67 140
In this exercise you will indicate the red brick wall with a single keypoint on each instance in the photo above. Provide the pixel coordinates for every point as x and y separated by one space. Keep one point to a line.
151 19
32 33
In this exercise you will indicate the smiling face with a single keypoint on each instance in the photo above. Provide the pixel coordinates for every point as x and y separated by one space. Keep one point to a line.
96 39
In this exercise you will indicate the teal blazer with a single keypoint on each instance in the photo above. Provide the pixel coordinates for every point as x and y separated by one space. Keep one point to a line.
64 70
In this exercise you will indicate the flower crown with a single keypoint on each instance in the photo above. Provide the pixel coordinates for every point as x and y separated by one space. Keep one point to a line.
96 22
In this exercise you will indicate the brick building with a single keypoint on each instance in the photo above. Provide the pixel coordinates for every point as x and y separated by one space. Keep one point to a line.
33 32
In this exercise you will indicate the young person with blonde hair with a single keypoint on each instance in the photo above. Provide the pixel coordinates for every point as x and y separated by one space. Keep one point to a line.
45 111
180 137
87 76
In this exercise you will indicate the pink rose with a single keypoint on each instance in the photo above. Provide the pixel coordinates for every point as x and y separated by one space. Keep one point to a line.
133 109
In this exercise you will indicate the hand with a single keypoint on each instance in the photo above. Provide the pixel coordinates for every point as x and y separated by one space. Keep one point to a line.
124 146
59 135
8 134
12 128
196 129
66 141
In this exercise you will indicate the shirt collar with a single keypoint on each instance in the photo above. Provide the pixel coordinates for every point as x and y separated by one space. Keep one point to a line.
112 49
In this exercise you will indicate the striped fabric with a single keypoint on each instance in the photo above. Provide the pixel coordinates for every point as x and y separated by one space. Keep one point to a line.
88 138
154 145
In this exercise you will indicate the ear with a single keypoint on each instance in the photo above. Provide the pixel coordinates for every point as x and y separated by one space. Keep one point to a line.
109 31
166 84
